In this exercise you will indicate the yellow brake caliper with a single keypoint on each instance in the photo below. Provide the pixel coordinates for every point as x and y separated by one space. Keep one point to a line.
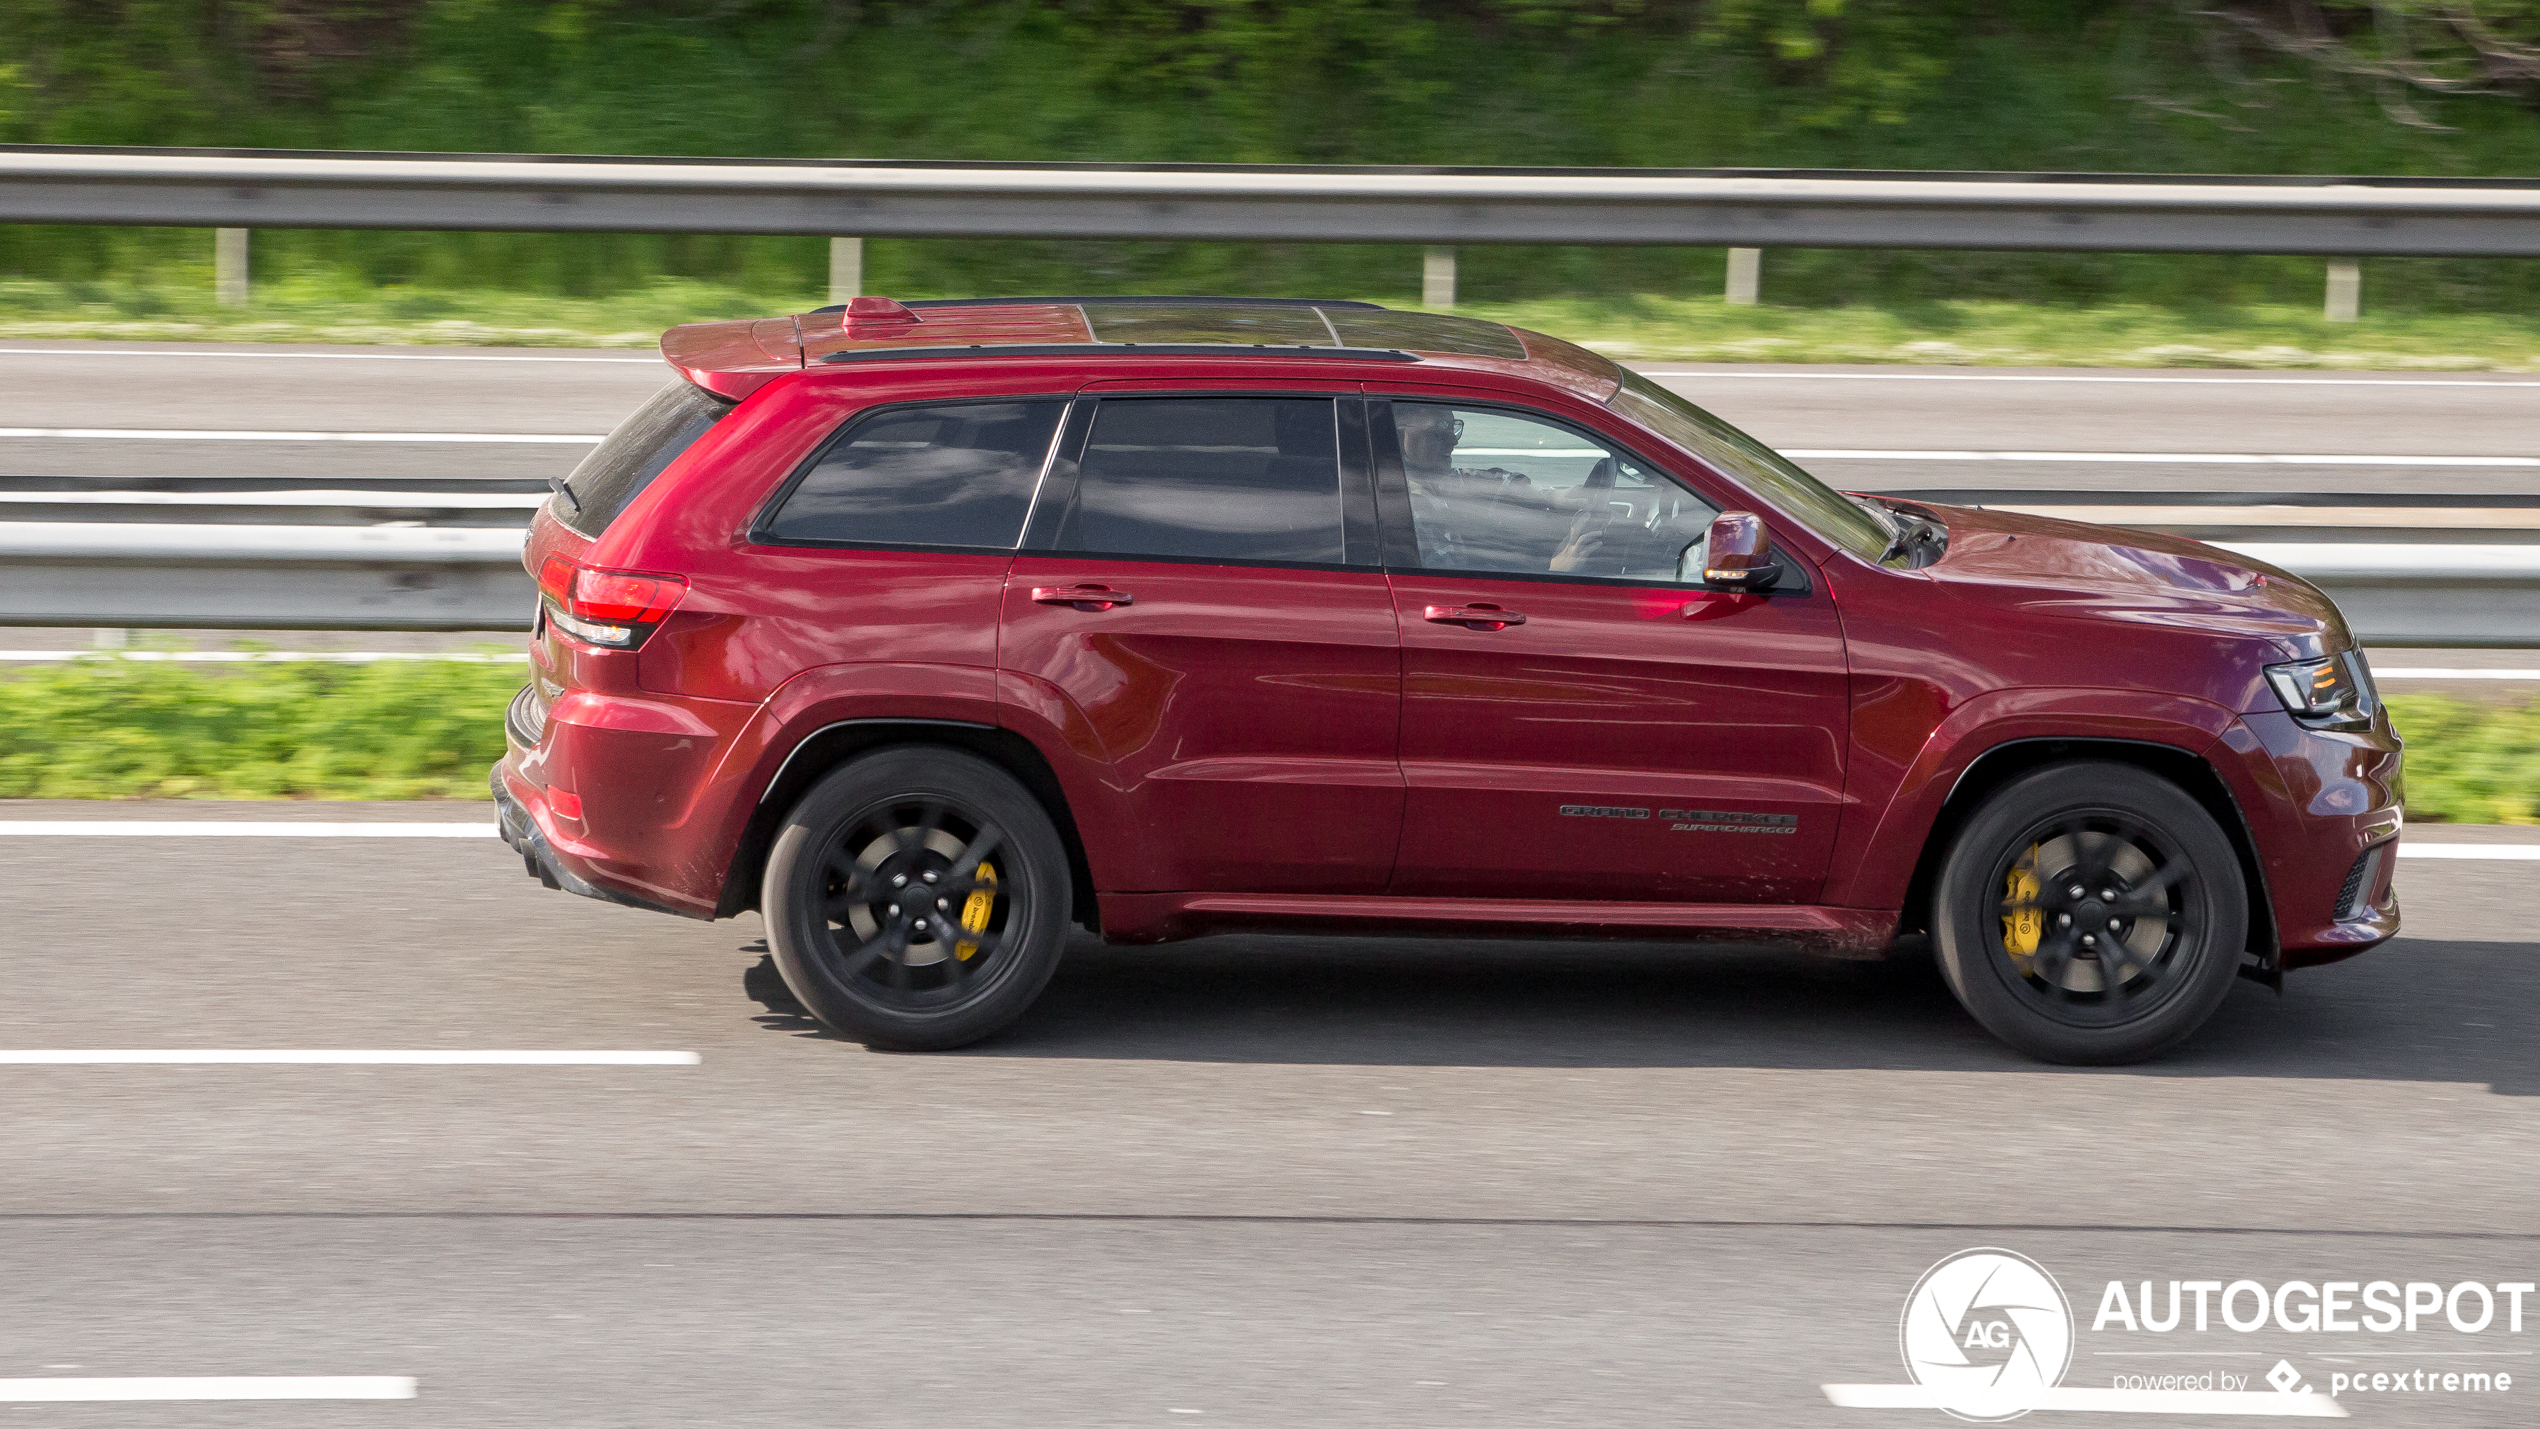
2022 927
975 910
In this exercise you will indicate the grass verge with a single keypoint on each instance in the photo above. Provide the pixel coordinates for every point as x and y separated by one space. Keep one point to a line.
107 728
2470 763
1956 333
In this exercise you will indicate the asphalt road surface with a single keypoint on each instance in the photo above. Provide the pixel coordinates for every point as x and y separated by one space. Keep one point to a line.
1242 1181
2059 428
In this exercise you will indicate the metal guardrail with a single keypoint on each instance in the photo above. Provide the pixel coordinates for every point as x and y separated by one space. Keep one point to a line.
153 574
225 567
1703 208
181 576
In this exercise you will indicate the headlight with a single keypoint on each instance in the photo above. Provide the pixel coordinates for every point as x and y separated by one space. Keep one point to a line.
2334 693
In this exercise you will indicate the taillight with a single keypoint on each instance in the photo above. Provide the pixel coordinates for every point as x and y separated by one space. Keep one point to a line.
616 609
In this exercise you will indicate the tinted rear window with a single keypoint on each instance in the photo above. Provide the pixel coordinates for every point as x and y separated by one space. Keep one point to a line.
1232 479
957 474
620 467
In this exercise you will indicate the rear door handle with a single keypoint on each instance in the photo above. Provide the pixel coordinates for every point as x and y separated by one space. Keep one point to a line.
1083 597
1480 615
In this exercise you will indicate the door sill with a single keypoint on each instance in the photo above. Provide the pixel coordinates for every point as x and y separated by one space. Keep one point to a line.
1164 917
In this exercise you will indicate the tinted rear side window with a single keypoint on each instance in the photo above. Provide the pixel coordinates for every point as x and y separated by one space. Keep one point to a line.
620 467
1232 479
960 474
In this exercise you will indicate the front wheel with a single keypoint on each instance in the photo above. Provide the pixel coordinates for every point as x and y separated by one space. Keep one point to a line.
917 899
2091 913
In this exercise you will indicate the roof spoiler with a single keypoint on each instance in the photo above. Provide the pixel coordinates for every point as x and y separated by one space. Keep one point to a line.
734 359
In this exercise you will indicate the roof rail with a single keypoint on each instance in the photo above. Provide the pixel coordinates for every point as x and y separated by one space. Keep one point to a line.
1122 349
1147 300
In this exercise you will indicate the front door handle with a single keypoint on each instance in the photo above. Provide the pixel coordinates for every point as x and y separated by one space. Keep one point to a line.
1480 615
1083 597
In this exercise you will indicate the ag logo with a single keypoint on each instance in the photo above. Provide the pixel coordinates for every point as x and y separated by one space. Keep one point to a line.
1987 1332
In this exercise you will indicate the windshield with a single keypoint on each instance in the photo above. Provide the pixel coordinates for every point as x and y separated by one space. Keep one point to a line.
1862 530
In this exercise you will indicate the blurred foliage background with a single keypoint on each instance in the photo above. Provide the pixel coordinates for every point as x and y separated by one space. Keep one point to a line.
111 727
2315 86
107 727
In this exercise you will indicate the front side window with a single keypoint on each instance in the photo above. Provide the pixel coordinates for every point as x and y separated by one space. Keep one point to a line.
957 474
627 460
1496 491
1231 479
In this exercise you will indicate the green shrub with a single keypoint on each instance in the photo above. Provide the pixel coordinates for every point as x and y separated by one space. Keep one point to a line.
2470 764
107 728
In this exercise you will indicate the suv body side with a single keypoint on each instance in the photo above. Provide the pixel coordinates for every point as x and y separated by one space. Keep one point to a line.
1885 714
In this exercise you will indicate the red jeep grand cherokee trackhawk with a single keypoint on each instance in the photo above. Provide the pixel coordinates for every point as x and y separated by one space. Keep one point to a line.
930 629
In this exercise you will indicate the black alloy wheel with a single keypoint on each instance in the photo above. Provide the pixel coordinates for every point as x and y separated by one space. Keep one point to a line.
917 899
2091 913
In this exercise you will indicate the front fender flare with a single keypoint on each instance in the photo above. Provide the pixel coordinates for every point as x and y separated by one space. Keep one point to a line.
1877 851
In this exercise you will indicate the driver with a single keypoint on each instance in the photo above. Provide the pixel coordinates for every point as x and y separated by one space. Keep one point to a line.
1483 518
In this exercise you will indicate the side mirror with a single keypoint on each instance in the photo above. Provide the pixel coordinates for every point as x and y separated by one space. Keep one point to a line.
1737 554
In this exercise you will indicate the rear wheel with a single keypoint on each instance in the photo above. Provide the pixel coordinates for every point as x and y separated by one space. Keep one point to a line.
917 899
2091 913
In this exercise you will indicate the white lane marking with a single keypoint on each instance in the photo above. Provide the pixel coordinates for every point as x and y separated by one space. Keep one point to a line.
2081 377
447 500
225 434
335 1057
2265 1402
257 1386
1652 371
340 657
2520 853
206 829
2421 518
2135 458
2435 672
319 356
2154 458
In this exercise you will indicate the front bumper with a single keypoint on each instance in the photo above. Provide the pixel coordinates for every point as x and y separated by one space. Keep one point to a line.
2325 809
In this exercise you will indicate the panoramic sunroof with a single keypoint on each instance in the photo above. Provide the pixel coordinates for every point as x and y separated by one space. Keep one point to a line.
1301 327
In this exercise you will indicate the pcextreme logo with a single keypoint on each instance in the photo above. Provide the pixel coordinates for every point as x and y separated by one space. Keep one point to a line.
1988 1335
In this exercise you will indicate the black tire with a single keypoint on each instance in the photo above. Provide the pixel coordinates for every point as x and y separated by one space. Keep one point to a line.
881 965
2057 968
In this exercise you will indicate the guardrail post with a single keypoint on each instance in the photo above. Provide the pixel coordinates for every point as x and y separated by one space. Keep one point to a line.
229 267
2345 290
846 269
1746 275
1437 278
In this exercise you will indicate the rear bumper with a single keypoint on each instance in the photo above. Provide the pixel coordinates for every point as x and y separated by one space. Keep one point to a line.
538 853
646 827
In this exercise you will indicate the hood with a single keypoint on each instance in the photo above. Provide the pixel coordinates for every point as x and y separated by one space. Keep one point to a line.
2076 569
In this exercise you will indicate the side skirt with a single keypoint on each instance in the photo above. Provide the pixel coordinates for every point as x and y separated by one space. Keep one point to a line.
1857 933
